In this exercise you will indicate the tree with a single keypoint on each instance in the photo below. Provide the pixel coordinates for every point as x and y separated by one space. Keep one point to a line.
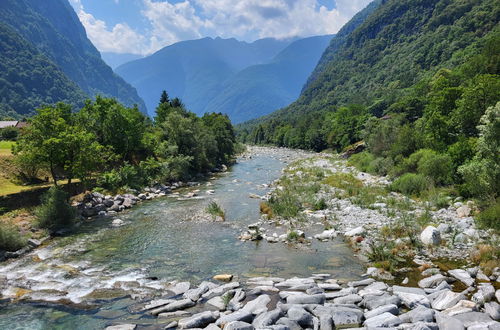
164 98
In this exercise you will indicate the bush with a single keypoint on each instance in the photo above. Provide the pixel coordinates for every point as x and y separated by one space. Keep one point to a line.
436 166
320 205
215 210
10 237
9 133
55 213
490 217
411 184
363 161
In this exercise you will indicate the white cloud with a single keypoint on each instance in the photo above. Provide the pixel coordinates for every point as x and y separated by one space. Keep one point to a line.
243 19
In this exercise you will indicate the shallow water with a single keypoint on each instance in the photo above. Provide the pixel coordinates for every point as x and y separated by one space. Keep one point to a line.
159 240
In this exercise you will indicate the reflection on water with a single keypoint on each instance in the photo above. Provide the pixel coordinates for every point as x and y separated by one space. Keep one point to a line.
160 241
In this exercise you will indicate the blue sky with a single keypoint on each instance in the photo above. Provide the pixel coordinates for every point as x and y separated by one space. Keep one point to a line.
145 26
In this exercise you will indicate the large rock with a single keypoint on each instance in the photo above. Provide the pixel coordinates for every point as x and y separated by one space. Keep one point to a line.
463 306
121 327
355 232
241 315
372 302
430 236
220 290
412 300
384 320
349 299
446 322
485 293
493 310
306 299
174 306
291 325
196 293
266 319
341 315
462 275
393 309
419 314
258 305
299 315
474 318
463 211
217 302
432 281
446 299
199 320
327 234
238 325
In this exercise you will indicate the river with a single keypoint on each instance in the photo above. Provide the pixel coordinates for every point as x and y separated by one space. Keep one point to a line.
89 279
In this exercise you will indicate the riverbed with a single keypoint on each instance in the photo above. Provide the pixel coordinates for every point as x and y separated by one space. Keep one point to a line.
95 276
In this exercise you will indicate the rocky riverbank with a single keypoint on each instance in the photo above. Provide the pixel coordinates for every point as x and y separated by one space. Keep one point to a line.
321 302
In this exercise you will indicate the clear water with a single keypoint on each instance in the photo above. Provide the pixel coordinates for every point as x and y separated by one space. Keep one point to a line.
159 240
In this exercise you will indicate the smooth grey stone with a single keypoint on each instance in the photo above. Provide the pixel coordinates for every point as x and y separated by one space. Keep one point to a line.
462 275
326 322
241 315
470 318
365 282
405 289
174 306
258 305
292 325
349 299
238 325
393 309
306 299
446 299
412 300
211 326
420 314
199 320
315 290
383 320
493 310
267 319
220 290
303 318
341 315
374 302
432 281
448 323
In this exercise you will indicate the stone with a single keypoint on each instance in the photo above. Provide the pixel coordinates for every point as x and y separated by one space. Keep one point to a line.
462 275
238 325
485 293
393 309
493 310
327 234
211 326
175 314
366 282
258 305
446 322
463 306
220 290
377 301
463 211
430 236
267 319
412 300
444 228
472 318
306 299
199 320
241 315
117 223
217 302
383 320
419 314
342 316
349 299
291 325
329 286
355 232
157 303
34 242
179 288
127 203
235 302
432 281
172 325
446 299
121 327
223 277
196 293
174 306
299 315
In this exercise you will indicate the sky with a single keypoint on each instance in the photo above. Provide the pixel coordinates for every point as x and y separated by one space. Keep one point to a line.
145 26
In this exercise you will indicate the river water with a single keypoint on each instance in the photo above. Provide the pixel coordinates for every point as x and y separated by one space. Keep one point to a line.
85 281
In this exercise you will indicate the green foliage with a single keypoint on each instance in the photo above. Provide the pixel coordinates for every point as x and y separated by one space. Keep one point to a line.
363 161
10 237
320 205
9 133
411 184
490 217
55 213
215 210
435 166
292 236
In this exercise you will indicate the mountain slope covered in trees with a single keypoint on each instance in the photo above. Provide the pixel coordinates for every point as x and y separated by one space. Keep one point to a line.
28 78
261 89
53 28
419 82
194 70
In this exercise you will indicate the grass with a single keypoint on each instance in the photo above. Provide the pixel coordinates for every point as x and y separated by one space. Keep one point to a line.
10 237
6 148
215 210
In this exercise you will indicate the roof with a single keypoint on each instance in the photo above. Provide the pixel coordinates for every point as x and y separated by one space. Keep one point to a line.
4 124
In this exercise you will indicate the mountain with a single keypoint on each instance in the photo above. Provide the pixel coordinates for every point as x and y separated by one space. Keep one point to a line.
53 28
194 70
114 60
28 78
263 88
388 52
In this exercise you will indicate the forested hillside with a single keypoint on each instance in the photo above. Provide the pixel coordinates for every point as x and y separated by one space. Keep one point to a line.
28 78
260 89
53 28
413 81
194 70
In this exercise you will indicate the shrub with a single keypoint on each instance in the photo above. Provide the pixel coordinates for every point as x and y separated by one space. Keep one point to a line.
9 133
215 210
490 217
320 205
436 166
363 161
55 213
286 205
411 184
10 237
292 236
